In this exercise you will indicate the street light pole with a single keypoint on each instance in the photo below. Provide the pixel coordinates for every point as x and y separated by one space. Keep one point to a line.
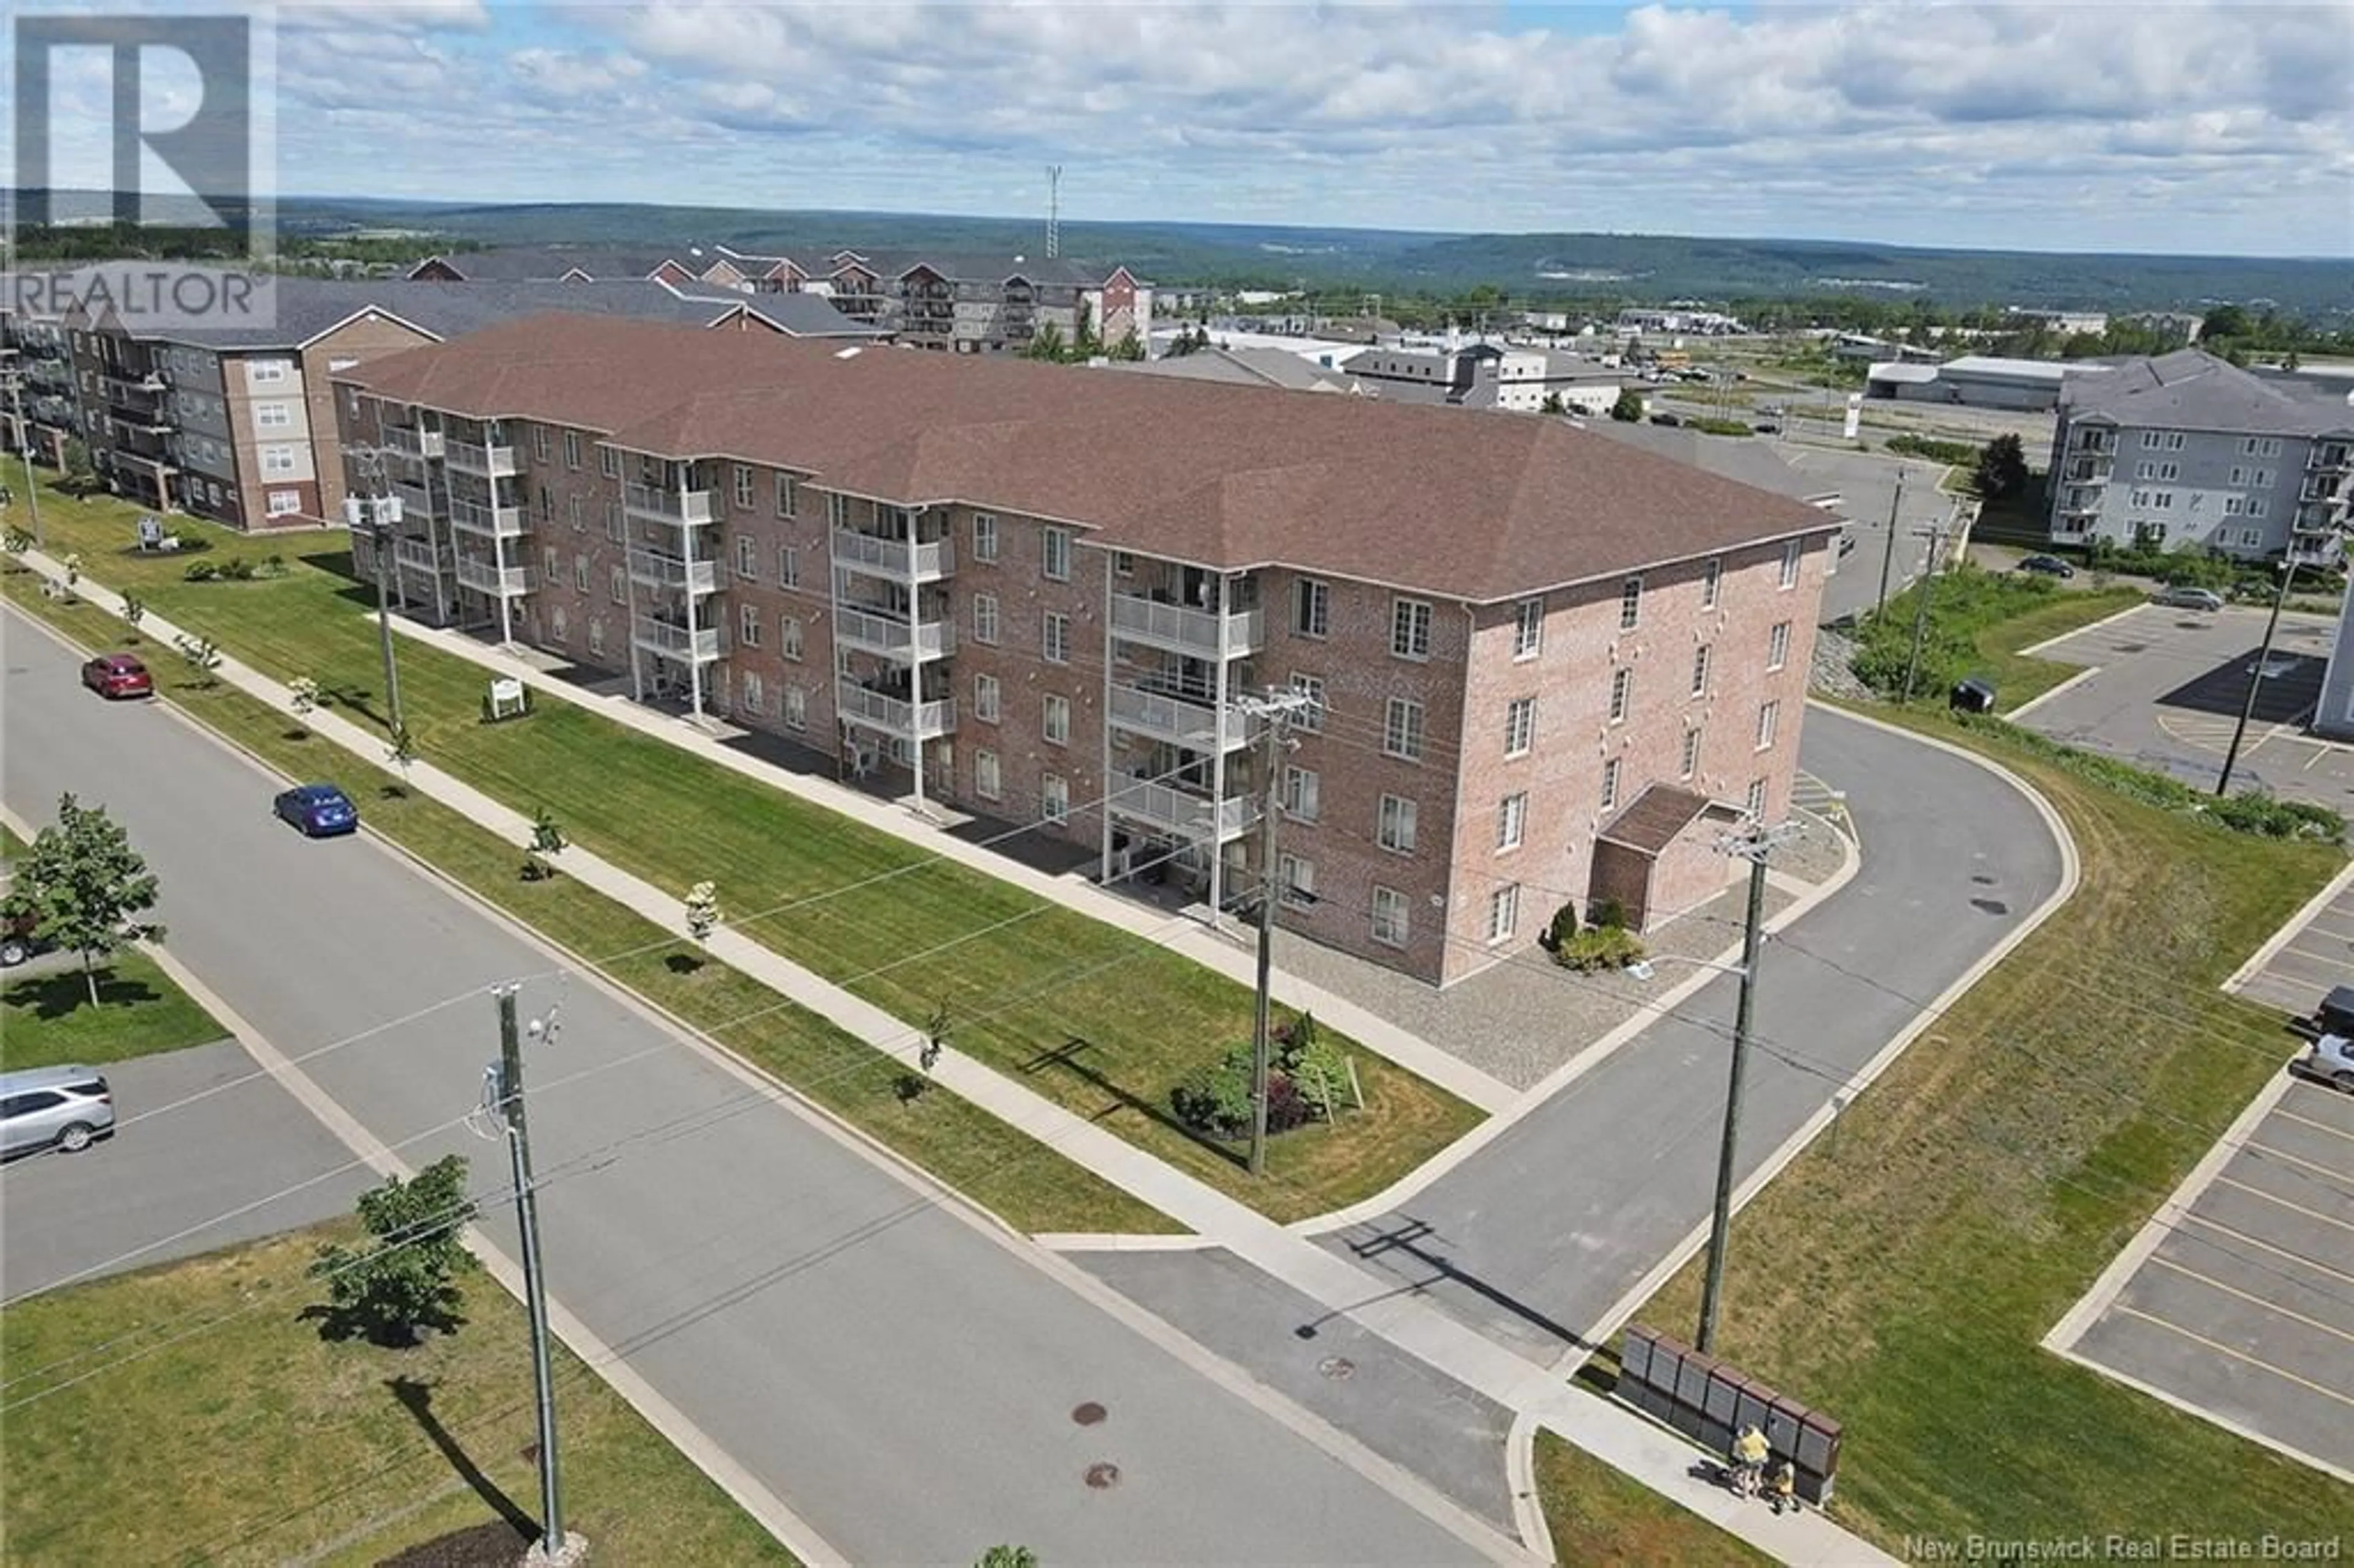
380 514
2256 679
553 1545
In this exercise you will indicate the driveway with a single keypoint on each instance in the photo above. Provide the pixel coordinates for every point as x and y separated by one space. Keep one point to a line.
237 1142
904 1378
1866 485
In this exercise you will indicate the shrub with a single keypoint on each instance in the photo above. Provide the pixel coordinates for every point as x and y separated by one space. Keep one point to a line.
1599 948
201 572
1217 1100
272 566
1957 454
1607 913
236 569
1560 929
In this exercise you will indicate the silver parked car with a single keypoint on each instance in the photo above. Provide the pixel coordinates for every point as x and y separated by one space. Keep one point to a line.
66 1107
2188 599
2332 1060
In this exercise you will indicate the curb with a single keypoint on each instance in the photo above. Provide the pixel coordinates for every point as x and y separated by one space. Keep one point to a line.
1521 1483
2291 928
2019 712
2030 651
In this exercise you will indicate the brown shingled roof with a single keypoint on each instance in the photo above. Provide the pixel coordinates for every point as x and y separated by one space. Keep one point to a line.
1652 821
1471 505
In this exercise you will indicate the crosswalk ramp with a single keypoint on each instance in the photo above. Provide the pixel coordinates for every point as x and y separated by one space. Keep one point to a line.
1809 793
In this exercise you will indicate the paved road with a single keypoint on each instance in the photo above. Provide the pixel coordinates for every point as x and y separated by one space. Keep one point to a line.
903 1380
245 1143
1867 484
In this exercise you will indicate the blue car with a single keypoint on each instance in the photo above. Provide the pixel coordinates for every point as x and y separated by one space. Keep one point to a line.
320 810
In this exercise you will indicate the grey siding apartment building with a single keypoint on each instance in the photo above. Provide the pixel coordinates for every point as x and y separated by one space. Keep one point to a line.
2186 450
1543 666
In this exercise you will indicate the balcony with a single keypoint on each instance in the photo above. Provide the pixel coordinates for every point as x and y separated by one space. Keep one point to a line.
882 557
860 705
482 461
1197 726
892 637
51 410
2330 457
2320 516
486 575
1204 634
2319 487
2087 470
1189 816
416 555
654 568
678 507
410 441
413 502
2093 443
488 522
673 641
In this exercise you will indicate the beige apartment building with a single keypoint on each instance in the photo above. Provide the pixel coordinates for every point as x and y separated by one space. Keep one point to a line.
1543 666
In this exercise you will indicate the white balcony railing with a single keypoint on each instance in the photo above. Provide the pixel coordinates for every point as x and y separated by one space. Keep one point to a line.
1204 633
410 441
1191 816
658 569
488 522
667 505
893 637
416 555
486 576
1194 725
676 641
472 457
414 502
890 557
2330 456
880 710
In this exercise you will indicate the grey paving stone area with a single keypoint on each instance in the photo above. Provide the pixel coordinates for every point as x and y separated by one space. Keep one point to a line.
1402 1408
2317 957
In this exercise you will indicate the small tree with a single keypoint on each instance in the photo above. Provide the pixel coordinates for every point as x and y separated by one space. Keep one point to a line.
302 694
546 840
134 610
1047 343
1129 347
702 911
83 888
72 564
1553 403
1628 408
1562 926
2002 469
935 1038
1086 342
203 657
400 749
80 475
1008 1557
407 1279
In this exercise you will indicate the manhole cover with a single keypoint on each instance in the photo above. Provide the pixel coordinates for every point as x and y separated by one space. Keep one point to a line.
1990 905
1983 880
1103 1476
1336 1366
1087 1414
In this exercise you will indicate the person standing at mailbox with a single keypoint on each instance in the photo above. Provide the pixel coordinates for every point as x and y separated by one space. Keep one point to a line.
1749 1451
1784 1486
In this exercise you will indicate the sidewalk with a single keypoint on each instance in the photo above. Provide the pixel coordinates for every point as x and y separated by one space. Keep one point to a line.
1616 1435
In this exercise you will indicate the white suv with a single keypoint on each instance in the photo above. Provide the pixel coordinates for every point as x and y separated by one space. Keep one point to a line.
65 1106
2332 1060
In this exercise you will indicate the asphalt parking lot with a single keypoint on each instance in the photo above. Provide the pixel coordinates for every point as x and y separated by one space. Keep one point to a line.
241 1146
2238 1312
2317 955
2167 692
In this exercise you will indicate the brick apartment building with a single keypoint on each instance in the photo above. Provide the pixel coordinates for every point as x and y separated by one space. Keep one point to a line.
1545 665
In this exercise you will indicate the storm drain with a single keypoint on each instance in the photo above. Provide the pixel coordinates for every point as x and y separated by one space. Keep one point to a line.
1103 1476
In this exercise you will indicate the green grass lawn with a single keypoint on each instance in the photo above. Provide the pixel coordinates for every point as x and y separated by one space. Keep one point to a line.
1978 622
2020 678
1092 1016
1901 1277
11 846
47 1019
1598 1515
252 1440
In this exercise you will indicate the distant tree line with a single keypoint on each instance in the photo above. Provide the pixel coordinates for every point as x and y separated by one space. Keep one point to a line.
75 243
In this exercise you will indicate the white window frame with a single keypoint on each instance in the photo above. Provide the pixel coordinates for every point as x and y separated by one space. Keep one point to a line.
1769 723
1503 913
540 446
1392 917
747 557
984 619
1055 638
1054 798
988 780
265 372
984 535
1393 824
1303 794
1055 718
788 566
1689 763
1311 608
1511 821
1778 645
987 699
792 707
1528 628
743 484
616 584
1631 604
791 638
580 574
1410 623
274 415
283 503
1311 718
751 692
1402 729
1520 726
788 496
279 459
1622 694
1608 798
1792 553
747 625
1755 801
1700 660
1054 553
608 462
572 448
1295 881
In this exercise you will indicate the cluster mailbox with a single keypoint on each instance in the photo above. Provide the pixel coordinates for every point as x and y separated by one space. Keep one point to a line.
1709 1402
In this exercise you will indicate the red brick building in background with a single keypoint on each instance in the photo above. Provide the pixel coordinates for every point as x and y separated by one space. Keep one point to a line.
1542 665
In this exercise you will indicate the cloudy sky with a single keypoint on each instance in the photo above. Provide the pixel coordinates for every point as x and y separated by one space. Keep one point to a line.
2169 127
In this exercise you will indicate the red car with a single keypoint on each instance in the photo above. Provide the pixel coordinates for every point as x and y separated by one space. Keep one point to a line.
118 675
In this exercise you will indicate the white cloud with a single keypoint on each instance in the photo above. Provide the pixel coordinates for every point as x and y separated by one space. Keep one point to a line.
1939 123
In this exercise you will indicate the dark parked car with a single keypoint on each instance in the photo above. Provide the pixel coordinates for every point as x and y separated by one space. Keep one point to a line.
114 676
19 939
2048 565
320 810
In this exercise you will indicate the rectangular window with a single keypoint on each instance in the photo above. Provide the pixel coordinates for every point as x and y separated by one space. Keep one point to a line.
1123 564
984 535
1054 553
1402 729
984 698
837 510
747 625
1396 829
572 512
1311 717
985 781
742 488
1054 639
1503 911
1311 608
616 529
540 447
572 448
789 637
1610 784
1769 719
551 564
272 416
1511 821
617 586
747 557
788 566
265 372
2258 505
283 502
984 618
1303 793
608 462
1631 604
580 574
1390 926
788 496
1296 881
278 460
1528 630
1690 762
1054 720
794 707
1054 798
1700 670
1622 691
753 694
1778 645
1520 726
1790 554
1755 804
1410 629
596 638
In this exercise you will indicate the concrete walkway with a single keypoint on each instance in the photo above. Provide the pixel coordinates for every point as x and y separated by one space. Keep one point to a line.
1612 1434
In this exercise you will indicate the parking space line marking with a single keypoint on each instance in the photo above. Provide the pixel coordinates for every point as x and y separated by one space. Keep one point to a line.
2329 1171
2164 1262
2253 1241
2320 1126
2236 1355
2284 1202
